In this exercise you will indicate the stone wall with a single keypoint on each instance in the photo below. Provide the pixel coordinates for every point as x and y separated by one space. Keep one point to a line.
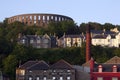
38 19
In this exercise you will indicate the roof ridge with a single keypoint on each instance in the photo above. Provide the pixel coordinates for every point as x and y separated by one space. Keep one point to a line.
41 61
114 59
63 61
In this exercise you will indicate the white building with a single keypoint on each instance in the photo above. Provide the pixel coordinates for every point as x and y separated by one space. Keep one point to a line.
71 40
107 40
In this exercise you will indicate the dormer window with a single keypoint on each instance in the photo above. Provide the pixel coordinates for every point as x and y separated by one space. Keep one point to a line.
114 68
100 68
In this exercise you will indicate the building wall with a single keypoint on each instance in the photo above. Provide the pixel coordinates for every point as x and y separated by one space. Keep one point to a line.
108 41
38 41
38 19
70 41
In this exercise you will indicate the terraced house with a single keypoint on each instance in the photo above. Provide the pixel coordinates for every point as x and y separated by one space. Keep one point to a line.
40 70
71 40
37 41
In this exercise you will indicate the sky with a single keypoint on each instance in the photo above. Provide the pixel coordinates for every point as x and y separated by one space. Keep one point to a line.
81 11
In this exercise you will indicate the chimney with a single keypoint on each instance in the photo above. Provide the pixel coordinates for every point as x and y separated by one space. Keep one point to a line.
88 43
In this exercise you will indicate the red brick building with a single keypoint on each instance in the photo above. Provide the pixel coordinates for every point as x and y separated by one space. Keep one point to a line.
109 70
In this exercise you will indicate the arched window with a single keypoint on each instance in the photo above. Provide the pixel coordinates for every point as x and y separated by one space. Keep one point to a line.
114 68
100 68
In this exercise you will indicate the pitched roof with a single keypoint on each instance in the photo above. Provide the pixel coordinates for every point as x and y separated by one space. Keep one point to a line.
114 60
27 64
103 36
101 31
41 65
61 64
72 36
100 37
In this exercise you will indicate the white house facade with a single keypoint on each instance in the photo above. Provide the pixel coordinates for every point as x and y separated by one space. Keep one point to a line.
71 40
106 40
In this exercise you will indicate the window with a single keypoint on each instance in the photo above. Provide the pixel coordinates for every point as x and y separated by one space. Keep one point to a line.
73 39
34 17
78 39
31 41
37 78
38 17
53 78
45 71
54 70
100 68
68 39
114 68
99 40
61 78
46 41
108 40
44 78
22 72
48 18
55 18
59 18
68 70
43 18
23 41
30 17
68 78
30 78
100 78
114 78
34 22
30 71
52 17
38 41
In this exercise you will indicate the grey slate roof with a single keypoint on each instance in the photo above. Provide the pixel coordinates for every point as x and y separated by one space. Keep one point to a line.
41 65
27 64
61 65
102 36
101 31
72 36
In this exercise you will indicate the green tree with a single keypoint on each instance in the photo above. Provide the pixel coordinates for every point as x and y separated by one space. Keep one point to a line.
10 64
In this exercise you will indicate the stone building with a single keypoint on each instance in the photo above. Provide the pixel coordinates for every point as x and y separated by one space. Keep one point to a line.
37 41
71 40
38 19
40 70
